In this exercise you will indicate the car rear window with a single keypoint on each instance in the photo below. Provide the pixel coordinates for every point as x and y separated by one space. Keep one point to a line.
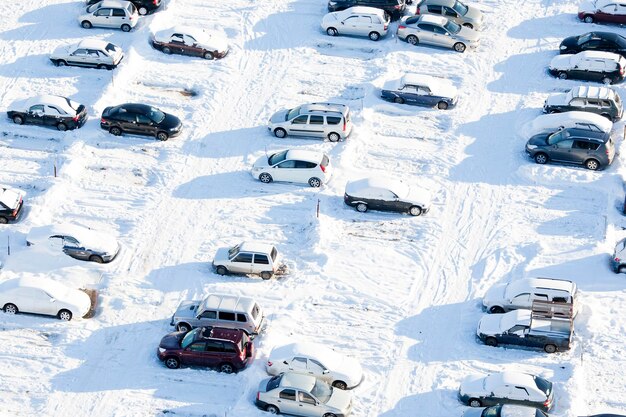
274 254
131 8
255 311
325 161
332 120
110 47
544 385
274 382
412 20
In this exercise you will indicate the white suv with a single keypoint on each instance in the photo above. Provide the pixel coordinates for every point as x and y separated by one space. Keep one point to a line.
321 120
248 258
110 14
306 167
521 293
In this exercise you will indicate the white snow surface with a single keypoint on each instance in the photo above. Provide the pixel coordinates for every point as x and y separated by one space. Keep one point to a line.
400 294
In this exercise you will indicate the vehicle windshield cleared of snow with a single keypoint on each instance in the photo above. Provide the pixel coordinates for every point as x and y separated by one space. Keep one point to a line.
292 113
460 8
277 157
189 337
232 252
452 27
156 115
322 391
556 137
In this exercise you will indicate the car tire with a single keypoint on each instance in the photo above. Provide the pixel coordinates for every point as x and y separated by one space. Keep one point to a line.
315 182
60 63
442 105
86 24
208 56
330 415
398 100
162 136
221 270
588 19
361 207
332 32
97 259
172 362
496 310
272 409
227 368
459 47
3 220
102 66
607 81
415 211
541 158
374 36
474 402
280 132
562 75
592 164
62 127
266 275
142 11
18 120
125 28
334 137
265 178
64 315
491 341
412 39
166 50
183 327
115 131
468 25
340 384
549 348
10 308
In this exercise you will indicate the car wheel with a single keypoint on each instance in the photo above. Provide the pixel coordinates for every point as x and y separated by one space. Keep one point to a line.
18 120
412 39
374 36
166 50
608 116
62 127
588 19
361 207
183 327
332 32
280 132
60 63
562 75
102 66
272 409
115 131
330 415
592 164
125 28
334 137
65 315
315 182
86 24
162 136
172 363
266 275
549 348
227 368
97 259
607 81
10 308
496 310
143 11
442 105
208 55
265 178
468 25
340 385
3 220
541 158
398 100
415 211
221 270
491 341
459 47
474 402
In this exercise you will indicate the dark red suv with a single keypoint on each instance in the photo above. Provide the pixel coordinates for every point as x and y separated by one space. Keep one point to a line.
228 350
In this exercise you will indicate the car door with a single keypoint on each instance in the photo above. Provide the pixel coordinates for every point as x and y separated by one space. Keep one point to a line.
513 336
409 94
299 126
26 299
308 405
451 14
55 243
351 26
285 171
177 44
190 46
213 354
194 353
145 126
102 17
286 401
316 126
95 58
118 18
45 303
298 364
425 98
521 301
443 37
426 33
580 150
606 13
78 57
127 121
241 263
261 263
35 114
51 116
305 170
317 370
74 248
520 395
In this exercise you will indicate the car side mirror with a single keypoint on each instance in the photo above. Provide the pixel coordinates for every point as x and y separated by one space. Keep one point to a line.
325 371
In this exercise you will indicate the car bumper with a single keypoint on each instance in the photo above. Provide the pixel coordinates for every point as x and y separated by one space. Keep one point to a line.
18 212
615 265
464 398
174 133
261 404
220 55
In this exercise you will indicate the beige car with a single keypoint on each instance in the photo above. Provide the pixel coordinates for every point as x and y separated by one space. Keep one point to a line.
357 21
437 31
248 258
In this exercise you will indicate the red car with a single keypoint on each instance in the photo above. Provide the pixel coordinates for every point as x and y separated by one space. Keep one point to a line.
602 11
228 350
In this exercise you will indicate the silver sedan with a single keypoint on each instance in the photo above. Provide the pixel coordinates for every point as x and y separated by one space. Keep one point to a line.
437 31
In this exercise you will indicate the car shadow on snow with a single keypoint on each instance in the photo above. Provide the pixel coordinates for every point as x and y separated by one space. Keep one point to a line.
553 26
230 143
533 78
230 185
442 402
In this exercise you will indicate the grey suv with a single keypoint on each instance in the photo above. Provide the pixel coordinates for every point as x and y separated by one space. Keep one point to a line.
594 150
599 100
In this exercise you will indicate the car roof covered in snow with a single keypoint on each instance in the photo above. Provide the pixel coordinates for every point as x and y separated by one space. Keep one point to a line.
59 102
227 302
93 44
509 378
364 10
524 284
31 281
42 233
300 381
356 187
429 18
258 247
597 55
324 108
589 91
310 350
510 410
569 119
303 155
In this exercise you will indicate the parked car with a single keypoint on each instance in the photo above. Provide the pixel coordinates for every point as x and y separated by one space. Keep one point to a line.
229 350
599 100
47 110
605 67
438 31
110 14
460 13
314 359
292 165
618 262
506 410
76 241
593 150
386 194
140 119
11 204
220 310
143 6
357 21
550 123
594 41
394 8
322 120
423 90
88 53
602 11
248 258
520 294
190 41
40 295
507 388
302 395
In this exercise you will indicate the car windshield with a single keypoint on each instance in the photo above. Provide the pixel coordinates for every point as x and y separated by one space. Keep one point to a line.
232 252
92 8
492 411
460 8
156 115
584 38
556 137
189 337
277 157
274 382
452 27
544 385
322 391
292 113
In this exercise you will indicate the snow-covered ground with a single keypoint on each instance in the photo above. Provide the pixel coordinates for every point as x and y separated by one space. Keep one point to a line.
401 294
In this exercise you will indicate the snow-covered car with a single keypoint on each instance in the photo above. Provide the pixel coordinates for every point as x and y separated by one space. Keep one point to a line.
314 359
606 67
110 14
48 110
463 14
11 204
40 295
506 410
618 261
599 100
76 241
294 165
190 41
438 31
88 53
386 194
248 258
550 123
423 90
302 395
143 6
521 293
321 120
602 11
507 388
357 21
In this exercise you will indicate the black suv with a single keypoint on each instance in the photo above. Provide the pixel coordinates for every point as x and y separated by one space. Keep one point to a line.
140 119
143 6
395 8
594 41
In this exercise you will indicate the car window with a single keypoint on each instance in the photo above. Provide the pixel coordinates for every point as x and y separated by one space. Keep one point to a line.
36 108
593 103
412 20
298 363
224 315
426 27
241 318
517 329
255 311
197 346
80 52
315 366
423 91
93 53
214 346
103 12
300 120
565 144
521 298
332 120
578 102
305 164
609 8
287 164
432 8
439 30
261 259
176 38
125 116
303 397
143 119
520 392
70 241
409 89
277 157
119 13
352 20
208 314
243 257
605 103
229 347
53 111
316 120
287 394
449 12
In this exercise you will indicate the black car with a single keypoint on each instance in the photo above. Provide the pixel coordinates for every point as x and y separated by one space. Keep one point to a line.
395 8
606 67
386 194
47 110
594 41
140 119
143 6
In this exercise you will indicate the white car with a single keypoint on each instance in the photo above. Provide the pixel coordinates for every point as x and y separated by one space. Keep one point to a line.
11 204
434 30
292 165
386 194
40 295
110 14
522 292
76 241
190 41
317 360
571 119
88 53
358 21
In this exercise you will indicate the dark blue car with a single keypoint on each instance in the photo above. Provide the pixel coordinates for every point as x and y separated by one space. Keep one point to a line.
423 90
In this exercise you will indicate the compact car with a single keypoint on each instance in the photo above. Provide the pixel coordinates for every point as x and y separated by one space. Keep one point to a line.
437 31
294 165
89 53
357 21
386 194
48 110
190 41
140 119
605 67
422 90
110 14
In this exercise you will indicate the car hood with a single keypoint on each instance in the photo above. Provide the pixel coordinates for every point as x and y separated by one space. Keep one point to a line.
62 51
473 412
587 6
172 340
187 309
279 116
494 295
79 300
261 162
557 99
11 198
474 14
472 385
221 255
489 324
539 139
570 42
329 18
420 197
340 399
469 34
350 370
561 62
170 121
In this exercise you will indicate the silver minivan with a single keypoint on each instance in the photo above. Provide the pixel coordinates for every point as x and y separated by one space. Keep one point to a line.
110 14
319 120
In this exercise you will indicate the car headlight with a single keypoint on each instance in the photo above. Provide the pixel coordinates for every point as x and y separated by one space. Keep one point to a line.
161 350
531 146
563 47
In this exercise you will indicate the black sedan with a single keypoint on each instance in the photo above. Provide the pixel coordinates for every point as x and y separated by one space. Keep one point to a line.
594 41
47 110
140 119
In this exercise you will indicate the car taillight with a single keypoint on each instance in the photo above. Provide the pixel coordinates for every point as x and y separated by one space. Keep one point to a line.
242 355
14 213
102 120
258 394
617 259
344 125
155 2
621 71
385 27
401 27
417 11
397 6
75 118
547 403
323 168
270 363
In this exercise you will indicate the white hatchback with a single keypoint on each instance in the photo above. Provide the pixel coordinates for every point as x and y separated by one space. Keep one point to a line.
110 14
358 21
292 165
